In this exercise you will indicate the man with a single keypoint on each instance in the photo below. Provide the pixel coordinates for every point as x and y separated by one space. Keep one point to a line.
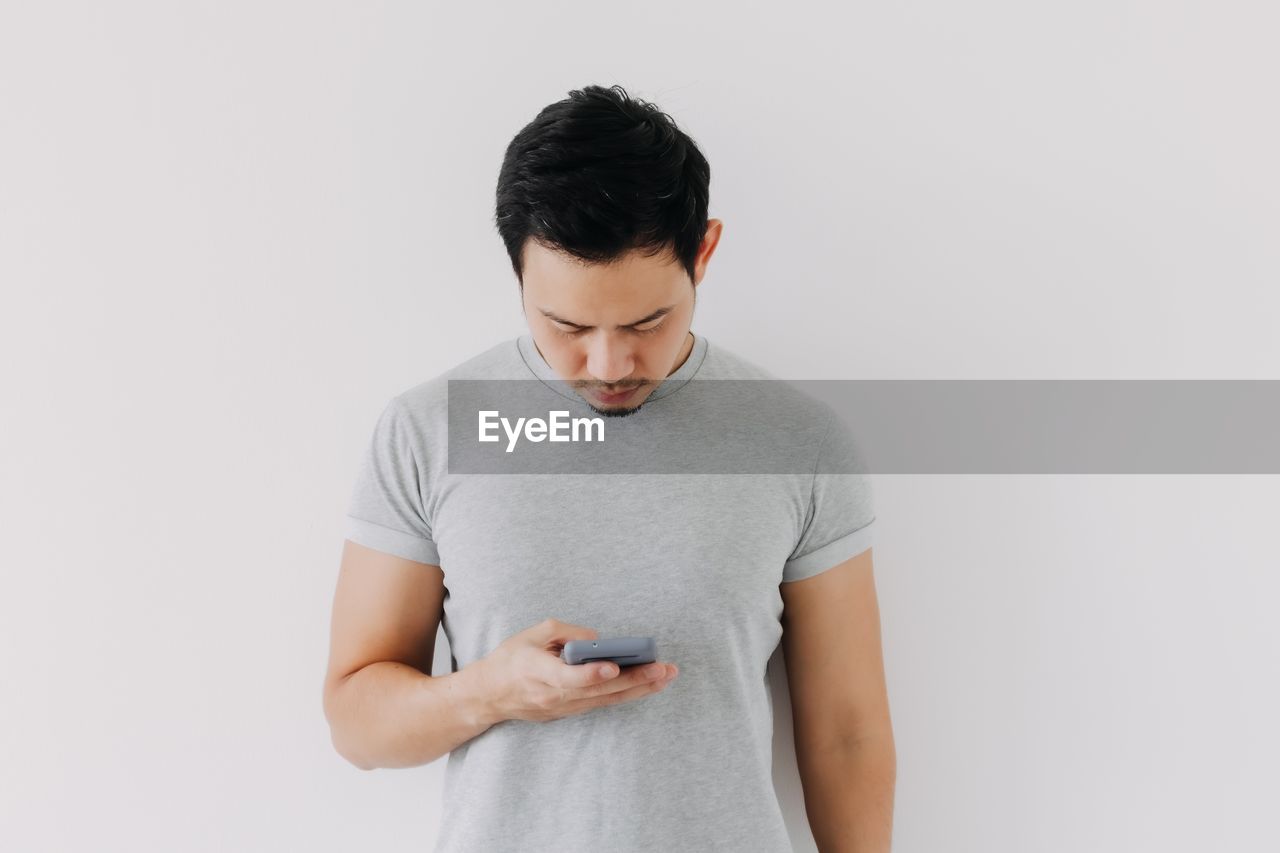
602 205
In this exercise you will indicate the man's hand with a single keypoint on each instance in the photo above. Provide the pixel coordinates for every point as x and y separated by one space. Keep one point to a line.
525 678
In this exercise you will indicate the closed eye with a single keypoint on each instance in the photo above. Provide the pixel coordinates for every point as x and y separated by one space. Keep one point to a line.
573 333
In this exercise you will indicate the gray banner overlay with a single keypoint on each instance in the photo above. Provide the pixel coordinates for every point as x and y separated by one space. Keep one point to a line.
882 426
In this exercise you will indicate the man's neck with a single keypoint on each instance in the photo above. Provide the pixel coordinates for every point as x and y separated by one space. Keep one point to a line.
684 355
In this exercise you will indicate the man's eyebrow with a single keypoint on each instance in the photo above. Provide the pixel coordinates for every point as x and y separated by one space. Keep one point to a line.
661 312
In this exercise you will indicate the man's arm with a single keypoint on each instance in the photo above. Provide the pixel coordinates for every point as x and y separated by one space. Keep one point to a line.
384 707
843 734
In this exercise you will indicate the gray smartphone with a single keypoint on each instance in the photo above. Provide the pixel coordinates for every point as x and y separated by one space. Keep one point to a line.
624 651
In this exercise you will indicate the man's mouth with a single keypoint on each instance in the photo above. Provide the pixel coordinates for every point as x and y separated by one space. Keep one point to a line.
619 397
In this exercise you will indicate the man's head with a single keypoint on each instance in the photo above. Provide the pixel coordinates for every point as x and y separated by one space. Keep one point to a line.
602 204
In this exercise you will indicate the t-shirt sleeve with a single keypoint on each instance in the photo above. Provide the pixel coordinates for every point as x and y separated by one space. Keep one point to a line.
840 521
386 510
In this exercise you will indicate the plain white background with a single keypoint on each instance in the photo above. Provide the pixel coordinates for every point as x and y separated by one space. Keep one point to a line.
230 231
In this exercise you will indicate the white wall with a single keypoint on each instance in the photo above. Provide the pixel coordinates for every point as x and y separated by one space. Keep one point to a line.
228 231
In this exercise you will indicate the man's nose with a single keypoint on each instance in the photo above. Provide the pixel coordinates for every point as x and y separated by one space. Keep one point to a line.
609 359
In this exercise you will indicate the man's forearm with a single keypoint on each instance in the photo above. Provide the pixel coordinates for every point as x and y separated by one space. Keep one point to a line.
848 794
391 715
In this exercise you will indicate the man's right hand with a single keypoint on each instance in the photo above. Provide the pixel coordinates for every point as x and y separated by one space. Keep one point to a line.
525 678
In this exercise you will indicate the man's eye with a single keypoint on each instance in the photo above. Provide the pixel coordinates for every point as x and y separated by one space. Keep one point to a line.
573 333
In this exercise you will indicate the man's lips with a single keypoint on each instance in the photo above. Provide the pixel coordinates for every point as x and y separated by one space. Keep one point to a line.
612 398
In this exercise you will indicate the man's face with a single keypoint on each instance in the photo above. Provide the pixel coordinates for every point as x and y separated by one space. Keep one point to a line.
620 328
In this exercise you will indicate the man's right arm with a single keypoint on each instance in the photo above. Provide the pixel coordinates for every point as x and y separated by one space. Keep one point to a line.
384 707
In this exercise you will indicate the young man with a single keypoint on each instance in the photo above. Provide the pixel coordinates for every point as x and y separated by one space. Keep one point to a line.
602 204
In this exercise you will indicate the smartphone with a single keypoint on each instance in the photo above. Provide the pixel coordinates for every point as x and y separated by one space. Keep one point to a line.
624 651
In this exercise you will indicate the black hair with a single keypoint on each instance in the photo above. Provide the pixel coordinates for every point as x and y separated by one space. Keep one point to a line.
601 174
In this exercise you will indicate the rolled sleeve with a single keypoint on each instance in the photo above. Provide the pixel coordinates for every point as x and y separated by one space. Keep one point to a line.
386 511
841 520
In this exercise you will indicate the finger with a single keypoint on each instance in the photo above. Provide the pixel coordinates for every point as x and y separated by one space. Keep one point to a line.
638 691
633 676
585 675
553 631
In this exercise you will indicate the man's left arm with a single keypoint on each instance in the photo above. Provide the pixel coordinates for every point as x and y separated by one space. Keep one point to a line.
843 734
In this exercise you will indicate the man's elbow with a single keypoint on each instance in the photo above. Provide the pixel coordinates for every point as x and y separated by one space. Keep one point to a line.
332 715
854 741
349 755
343 746
865 737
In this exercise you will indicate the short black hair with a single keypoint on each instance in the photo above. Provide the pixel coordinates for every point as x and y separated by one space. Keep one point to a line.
600 174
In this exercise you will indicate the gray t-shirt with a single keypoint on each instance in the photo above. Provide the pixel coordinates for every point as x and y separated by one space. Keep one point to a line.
693 560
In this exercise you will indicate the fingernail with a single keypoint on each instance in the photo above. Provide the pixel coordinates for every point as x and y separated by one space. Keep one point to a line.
607 671
655 669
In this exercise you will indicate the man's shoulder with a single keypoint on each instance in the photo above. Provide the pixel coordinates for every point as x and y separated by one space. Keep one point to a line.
724 363
794 402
